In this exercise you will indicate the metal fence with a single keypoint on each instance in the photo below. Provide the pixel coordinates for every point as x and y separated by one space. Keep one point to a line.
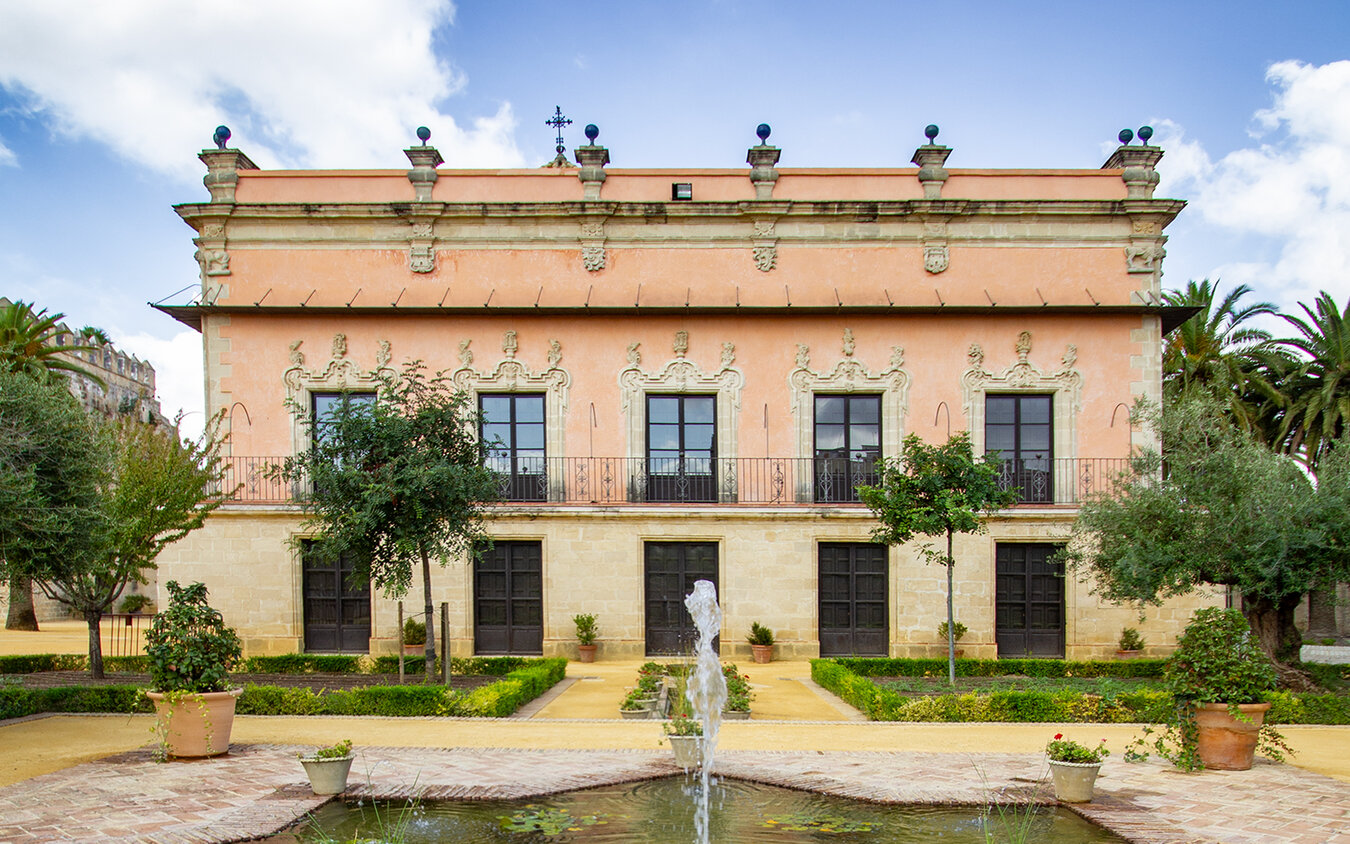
744 480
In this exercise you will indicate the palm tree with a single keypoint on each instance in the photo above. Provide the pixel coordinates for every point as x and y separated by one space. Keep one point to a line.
1218 353
28 343
1319 388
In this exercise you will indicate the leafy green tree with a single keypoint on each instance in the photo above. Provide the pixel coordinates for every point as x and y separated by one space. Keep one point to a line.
1319 388
28 344
396 481
50 471
157 490
1218 507
932 490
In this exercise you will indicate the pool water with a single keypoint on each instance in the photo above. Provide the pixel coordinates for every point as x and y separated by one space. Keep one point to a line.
663 811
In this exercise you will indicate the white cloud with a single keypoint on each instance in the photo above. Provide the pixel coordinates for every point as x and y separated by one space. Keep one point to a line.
304 83
7 158
178 373
1292 185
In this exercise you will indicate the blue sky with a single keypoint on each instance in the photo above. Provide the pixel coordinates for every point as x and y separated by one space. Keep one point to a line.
103 108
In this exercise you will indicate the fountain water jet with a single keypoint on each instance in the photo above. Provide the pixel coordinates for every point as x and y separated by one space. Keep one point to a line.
706 690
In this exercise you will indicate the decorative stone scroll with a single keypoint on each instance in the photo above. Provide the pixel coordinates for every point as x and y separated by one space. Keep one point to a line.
1065 384
512 376
594 256
682 375
422 246
339 374
850 375
764 246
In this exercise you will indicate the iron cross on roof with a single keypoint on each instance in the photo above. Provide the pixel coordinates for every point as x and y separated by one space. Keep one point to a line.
557 121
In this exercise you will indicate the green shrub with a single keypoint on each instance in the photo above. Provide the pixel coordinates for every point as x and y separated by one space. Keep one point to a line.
17 701
1218 660
388 664
29 664
190 647
414 632
911 667
135 602
1333 678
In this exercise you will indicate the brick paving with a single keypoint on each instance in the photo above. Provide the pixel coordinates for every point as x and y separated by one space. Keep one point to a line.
259 789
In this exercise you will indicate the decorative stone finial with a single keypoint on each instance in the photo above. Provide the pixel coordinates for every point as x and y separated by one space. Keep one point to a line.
931 157
1137 163
223 166
425 159
592 159
762 159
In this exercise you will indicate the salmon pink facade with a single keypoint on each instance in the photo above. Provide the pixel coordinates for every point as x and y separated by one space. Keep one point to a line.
684 374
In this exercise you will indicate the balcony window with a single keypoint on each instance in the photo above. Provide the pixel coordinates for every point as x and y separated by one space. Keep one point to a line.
681 448
1019 429
323 405
847 445
513 431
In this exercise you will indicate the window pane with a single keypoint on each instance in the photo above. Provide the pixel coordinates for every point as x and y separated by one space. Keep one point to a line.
698 437
863 436
496 408
665 437
1036 438
865 409
829 409
1000 409
529 436
663 409
999 438
1035 409
529 408
699 409
829 437
497 433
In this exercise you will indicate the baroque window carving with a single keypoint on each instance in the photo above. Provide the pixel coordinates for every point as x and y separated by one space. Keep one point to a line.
1065 383
339 374
510 375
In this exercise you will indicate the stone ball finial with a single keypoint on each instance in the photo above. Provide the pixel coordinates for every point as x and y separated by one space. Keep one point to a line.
221 136
1125 136
592 132
1145 133
762 132
931 132
423 134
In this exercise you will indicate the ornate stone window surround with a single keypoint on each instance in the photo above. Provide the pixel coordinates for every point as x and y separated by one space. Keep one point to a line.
1023 377
850 376
339 374
682 376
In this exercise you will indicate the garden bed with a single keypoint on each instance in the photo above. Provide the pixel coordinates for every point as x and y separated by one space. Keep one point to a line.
315 682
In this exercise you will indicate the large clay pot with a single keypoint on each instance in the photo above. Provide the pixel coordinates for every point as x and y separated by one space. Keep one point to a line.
763 654
587 652
1074 780
195 724
1223 742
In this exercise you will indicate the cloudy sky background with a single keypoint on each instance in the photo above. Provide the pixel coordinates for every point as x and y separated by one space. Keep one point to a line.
104 106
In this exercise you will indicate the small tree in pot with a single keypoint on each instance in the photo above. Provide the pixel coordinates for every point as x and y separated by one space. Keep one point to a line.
761 642
587 630
191 652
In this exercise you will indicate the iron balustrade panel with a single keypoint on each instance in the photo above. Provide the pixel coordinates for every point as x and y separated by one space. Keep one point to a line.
782 481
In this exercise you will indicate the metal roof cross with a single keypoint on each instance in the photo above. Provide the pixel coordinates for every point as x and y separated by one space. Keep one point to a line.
558 122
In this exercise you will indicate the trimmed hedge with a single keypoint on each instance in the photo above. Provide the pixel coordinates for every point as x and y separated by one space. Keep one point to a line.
1145 705
882 667
17 701
33 663
495 666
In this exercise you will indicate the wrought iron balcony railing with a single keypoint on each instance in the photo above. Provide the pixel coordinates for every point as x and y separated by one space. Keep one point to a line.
744 480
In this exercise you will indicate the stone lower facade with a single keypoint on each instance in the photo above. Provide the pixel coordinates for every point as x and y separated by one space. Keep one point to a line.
767 564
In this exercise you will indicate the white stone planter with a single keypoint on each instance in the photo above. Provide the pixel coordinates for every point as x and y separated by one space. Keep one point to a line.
735 715
328 776
1326 654
688 750
1074 781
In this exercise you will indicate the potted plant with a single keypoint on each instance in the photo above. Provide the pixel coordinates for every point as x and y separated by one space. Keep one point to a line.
1074 767
637 705
1219 675
135 602
191 651
958 630
761 643
414 636
737 707
1131 644
586 633
686 738
328 767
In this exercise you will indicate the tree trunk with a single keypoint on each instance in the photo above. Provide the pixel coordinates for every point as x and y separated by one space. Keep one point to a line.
22 616
951 618
430 654
1273 625
95 645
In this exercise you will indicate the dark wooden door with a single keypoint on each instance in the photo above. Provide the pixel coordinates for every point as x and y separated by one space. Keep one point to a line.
1029 608
670 571
508 599
853 599
336 611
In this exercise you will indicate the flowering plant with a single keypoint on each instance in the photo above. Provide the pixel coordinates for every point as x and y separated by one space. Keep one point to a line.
1061 749
682 725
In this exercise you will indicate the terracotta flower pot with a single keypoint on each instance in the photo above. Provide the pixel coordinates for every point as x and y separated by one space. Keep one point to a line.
194 725
587 652
1223 742
763 654
1074 781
